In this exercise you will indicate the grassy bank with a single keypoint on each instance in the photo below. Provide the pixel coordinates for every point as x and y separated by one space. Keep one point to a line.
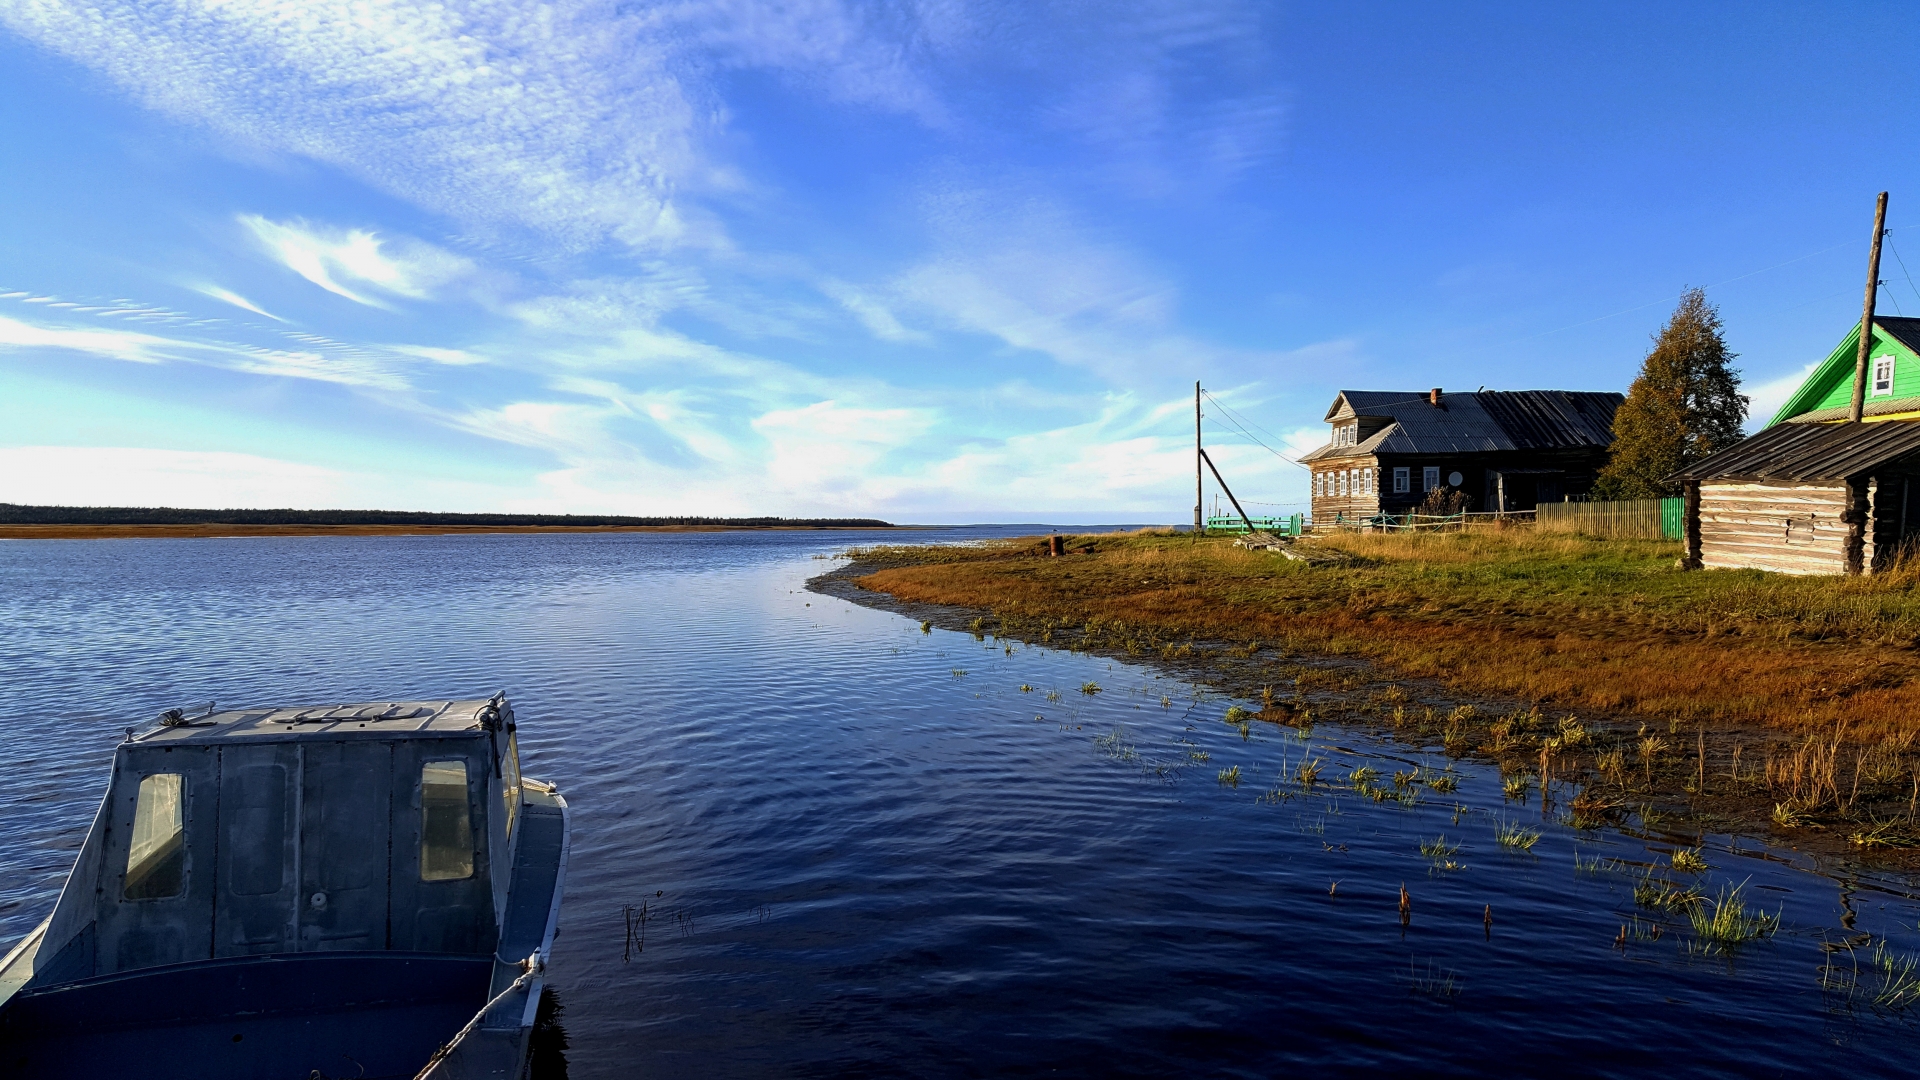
1785 698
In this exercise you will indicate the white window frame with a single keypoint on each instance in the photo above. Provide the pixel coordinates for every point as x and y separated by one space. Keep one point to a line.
1402 480
1430 478
1882 376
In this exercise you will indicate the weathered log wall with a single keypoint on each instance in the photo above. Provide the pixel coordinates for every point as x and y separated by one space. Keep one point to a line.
1788 528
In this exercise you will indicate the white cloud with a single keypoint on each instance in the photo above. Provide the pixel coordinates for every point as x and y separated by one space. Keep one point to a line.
874 315
117 344
450 357
565 117
401 267
227 296
827 447
1765 399
344 366
134 476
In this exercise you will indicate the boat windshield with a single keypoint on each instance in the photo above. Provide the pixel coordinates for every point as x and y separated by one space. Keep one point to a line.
446 831
510 780
157 859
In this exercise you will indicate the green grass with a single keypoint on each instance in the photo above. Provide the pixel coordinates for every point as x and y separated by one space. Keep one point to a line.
1230 777
1689 860
1439 848
1514 788
1515 837
1727 921
1089 688
1663 895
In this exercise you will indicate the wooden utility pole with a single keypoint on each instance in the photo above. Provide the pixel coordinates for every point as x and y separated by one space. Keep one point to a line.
1199 483
1866 317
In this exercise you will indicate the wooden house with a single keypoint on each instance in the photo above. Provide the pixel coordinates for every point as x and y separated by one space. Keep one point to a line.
1504 450
1816 493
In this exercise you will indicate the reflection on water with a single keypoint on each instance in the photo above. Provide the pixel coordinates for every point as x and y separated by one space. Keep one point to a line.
547 1045
812 840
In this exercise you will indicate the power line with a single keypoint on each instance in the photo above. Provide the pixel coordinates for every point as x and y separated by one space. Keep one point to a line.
1231 418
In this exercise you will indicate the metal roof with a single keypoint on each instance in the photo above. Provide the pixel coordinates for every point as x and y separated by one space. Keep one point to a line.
1905 331
379 719
1478 422
1810 453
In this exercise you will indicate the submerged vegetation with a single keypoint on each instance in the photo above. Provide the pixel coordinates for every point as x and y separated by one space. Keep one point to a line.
1786 703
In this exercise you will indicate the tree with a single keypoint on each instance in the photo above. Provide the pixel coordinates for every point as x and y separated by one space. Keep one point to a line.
1685 404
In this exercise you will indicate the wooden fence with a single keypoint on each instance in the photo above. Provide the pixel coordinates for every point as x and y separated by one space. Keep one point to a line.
1650 519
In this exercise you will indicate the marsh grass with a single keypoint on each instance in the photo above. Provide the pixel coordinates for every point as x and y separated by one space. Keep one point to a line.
1515 837
1663 895
1502 611
1726 920
1089 688
1438 848
1230 776
1891 980
1689 861
1440 984
1514 788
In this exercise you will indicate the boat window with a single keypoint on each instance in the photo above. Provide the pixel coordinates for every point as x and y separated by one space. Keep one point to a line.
446 831
157 859
510 780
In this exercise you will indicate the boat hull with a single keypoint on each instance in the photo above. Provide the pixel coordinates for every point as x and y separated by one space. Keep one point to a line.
347 1014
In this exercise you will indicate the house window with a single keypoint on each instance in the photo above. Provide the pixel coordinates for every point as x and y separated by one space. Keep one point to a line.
1400 481
1883 376
1430 478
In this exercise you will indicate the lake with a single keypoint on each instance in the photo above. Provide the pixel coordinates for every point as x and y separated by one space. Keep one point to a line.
865 849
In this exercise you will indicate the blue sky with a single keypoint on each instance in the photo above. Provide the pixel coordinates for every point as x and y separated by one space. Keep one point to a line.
926 261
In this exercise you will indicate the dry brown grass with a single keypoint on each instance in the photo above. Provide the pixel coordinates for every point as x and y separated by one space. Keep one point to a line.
1599 626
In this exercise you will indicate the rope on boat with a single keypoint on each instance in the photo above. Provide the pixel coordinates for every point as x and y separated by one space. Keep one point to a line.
529 967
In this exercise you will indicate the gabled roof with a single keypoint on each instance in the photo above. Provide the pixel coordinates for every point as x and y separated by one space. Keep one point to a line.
1809 453
1838 368
1471 423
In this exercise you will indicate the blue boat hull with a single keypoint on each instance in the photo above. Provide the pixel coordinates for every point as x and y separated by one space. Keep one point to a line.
335 1015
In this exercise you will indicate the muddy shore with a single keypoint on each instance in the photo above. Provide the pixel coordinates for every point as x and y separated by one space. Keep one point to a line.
1677 795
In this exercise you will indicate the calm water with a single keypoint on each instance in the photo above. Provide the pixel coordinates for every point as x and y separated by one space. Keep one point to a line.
866 851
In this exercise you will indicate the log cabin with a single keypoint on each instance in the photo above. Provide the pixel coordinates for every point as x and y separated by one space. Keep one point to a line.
1814 492
1503 450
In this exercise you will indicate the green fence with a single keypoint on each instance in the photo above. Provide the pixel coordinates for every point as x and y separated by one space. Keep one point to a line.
1287 526
1649 519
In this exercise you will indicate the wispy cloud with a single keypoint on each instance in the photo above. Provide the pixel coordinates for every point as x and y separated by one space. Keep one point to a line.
399 266
227 296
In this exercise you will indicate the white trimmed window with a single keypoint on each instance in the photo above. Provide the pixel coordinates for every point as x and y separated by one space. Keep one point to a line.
1430 478
1883 376
1401 481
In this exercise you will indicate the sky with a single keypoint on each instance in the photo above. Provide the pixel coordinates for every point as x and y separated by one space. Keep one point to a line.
924 261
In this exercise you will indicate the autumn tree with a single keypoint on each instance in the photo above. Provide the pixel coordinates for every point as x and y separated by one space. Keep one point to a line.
1685 404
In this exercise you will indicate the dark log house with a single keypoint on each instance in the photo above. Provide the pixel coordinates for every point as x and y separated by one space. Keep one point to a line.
1505 450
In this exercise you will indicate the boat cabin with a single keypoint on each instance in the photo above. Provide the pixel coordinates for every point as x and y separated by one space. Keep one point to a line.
346 857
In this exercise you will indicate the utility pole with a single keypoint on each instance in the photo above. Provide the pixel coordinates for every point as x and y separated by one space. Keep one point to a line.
1866 317
1199 487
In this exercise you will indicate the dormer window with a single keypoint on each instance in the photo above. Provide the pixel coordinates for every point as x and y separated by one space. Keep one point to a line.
1346 434
1883 376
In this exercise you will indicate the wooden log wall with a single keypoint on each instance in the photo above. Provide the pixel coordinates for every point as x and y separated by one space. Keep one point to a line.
1787 528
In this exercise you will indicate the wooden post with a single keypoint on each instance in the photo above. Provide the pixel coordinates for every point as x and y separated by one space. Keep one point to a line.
1199 496
1223 487
1691 528
1866 316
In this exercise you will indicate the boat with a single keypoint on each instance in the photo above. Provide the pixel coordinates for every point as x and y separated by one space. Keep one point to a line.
365 891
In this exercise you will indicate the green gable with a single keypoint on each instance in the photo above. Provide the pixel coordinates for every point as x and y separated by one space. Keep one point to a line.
1830 387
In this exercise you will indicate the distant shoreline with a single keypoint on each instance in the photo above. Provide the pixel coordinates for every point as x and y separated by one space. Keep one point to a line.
216 531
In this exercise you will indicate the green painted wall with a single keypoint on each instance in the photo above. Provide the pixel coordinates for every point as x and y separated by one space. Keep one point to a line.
1831 384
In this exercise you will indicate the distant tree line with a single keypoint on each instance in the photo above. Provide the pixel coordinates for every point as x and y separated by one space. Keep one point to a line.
11 514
